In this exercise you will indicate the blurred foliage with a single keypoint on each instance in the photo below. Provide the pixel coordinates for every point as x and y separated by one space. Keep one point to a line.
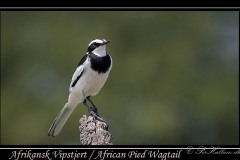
175 75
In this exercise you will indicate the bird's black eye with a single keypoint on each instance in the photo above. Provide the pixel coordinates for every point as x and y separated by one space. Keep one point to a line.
93 46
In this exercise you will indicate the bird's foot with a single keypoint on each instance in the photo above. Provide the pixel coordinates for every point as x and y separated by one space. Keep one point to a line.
97 117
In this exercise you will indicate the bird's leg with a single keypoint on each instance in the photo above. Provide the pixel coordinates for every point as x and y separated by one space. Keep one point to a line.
95 108
91 110
85 103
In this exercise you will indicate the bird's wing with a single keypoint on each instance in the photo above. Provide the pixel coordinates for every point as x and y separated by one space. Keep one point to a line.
76 76
78 73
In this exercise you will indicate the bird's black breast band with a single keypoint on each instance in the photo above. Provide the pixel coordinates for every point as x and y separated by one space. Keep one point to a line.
100 64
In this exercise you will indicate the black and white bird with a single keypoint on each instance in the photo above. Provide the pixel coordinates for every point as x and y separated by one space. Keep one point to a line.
88 79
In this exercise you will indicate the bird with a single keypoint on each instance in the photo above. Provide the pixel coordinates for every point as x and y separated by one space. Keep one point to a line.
89 77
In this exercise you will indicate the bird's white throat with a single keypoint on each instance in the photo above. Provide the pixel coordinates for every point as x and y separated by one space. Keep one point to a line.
100 51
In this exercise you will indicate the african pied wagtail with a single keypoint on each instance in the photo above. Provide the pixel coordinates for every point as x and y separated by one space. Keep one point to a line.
89 77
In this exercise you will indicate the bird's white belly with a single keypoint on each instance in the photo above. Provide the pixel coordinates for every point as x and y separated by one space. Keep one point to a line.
94 83
88 85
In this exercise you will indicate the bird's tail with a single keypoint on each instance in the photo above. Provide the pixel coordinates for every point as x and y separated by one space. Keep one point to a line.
61 119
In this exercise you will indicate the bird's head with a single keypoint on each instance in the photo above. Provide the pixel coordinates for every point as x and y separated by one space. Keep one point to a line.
98 47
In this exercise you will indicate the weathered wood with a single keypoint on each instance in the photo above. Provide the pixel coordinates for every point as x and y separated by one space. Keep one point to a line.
94 132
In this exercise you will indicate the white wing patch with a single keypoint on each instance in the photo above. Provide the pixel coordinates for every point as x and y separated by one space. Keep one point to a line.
76 76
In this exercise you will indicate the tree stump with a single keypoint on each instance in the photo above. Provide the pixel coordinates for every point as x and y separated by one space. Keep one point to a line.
94 132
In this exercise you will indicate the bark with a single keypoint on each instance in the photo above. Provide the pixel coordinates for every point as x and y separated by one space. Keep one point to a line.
94 132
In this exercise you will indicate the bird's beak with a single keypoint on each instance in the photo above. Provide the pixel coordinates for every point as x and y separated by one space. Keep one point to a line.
104 43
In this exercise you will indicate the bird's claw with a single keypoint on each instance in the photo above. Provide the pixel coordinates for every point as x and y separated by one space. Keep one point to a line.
97 117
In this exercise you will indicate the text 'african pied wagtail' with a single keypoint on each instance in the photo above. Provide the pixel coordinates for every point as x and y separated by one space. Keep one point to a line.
89 77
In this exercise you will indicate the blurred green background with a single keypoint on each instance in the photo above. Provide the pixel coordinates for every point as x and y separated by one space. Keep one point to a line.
175 75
